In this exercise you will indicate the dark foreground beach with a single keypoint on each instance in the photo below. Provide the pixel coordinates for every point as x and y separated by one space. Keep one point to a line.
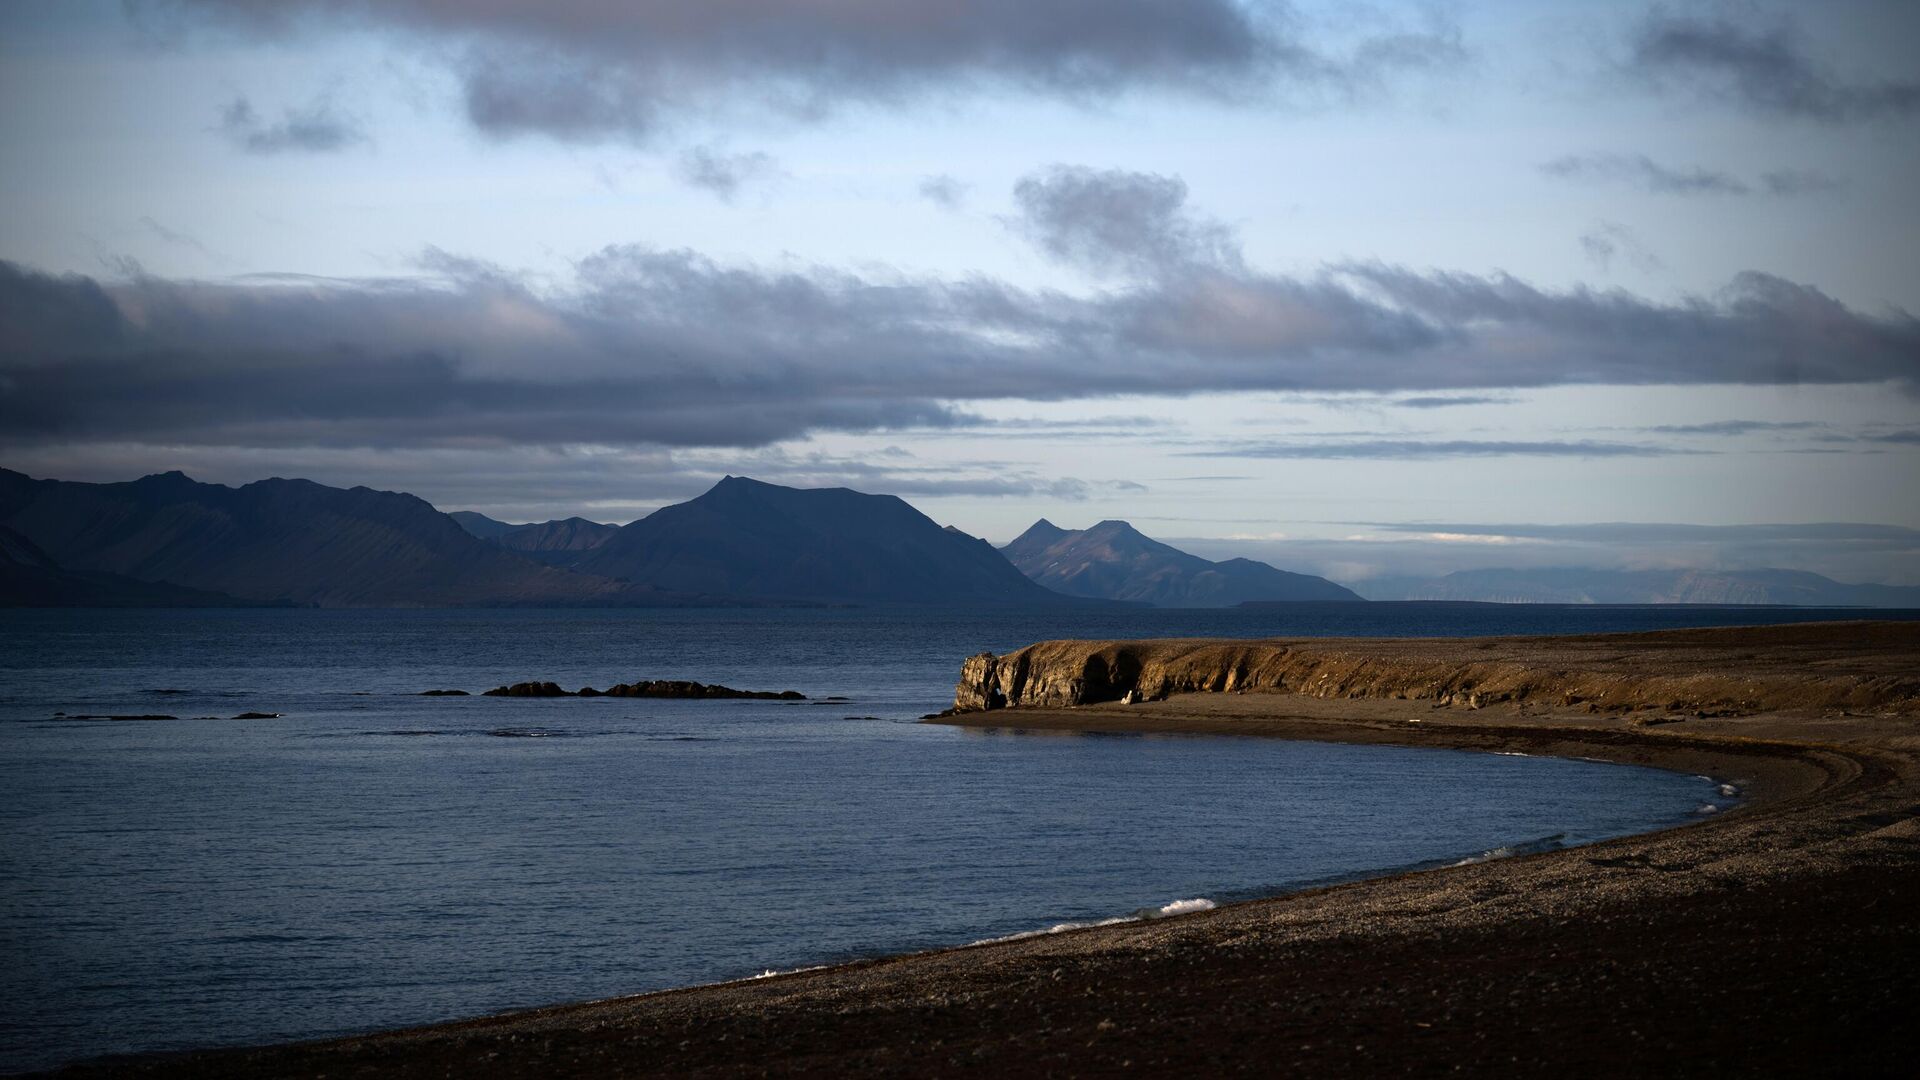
1780 938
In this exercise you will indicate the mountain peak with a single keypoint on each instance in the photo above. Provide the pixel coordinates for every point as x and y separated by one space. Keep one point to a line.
1115 561
746 537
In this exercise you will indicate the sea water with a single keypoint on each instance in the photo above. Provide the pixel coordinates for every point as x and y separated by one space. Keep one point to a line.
372 858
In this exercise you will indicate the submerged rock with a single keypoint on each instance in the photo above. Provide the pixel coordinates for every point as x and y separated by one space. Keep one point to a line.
443 693
259 716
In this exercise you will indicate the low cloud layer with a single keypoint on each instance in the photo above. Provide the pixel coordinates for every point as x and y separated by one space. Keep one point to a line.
1766 69
1431 449
586 69
668 348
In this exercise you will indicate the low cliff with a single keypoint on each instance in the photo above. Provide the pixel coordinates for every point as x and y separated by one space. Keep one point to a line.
1846 666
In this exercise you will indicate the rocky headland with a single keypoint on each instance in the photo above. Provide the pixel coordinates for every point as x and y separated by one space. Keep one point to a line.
1730 671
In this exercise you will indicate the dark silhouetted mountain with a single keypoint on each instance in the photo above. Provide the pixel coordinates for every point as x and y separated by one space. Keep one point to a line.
556 543
30 578
827 544
1566 585
1114 561
481 525
288 540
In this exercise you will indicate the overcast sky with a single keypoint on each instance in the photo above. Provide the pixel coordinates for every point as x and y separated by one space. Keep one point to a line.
1360 289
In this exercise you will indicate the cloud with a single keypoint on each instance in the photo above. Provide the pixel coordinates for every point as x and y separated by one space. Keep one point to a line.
725 174
1426 450
1608 239
1449 401
1645 172
944 191
178 239
1842 550
1733 427
1788 182
1822 533
644 347
587 69
1763 69
315 128
1116 222
1649 175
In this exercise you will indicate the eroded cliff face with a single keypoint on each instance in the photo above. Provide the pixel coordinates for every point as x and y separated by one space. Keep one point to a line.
1860 666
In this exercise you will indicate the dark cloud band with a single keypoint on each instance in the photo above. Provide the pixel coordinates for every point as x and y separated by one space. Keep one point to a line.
668 348
589 69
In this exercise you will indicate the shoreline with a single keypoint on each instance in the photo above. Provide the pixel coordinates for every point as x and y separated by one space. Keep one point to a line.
1780 934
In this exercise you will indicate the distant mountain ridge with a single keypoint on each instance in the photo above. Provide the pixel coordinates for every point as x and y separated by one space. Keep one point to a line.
290 541
1115 561
30 577
556 543
750 538
1569 585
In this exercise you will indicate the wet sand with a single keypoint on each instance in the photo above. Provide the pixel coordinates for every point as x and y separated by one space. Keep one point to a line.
1779 938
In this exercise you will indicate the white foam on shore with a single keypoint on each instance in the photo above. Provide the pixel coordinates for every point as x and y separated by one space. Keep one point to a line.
1167 910
1707 808
771 972
1507 851
1487 856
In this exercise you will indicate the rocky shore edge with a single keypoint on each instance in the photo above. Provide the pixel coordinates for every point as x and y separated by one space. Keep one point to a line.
1782 937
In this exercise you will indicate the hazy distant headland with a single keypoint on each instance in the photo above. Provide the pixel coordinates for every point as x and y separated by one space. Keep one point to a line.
169 541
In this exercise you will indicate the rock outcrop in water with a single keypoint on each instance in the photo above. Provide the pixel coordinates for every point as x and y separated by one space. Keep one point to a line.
529 689
643 688
1710 671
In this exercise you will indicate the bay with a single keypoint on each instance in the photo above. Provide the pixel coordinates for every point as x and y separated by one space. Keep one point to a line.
372 858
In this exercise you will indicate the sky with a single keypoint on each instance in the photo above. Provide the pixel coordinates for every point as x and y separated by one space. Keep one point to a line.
1360 289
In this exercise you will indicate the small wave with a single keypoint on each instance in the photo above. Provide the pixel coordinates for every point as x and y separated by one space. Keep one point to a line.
1731 791
1176 907
771 972
1507 851
1707 808
1511 753
525 733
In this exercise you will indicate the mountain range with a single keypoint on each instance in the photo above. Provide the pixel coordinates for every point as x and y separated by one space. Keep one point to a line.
1114 561
287 541
168 540
1584 586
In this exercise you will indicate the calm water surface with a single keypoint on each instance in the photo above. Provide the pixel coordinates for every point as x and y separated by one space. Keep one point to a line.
375 858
